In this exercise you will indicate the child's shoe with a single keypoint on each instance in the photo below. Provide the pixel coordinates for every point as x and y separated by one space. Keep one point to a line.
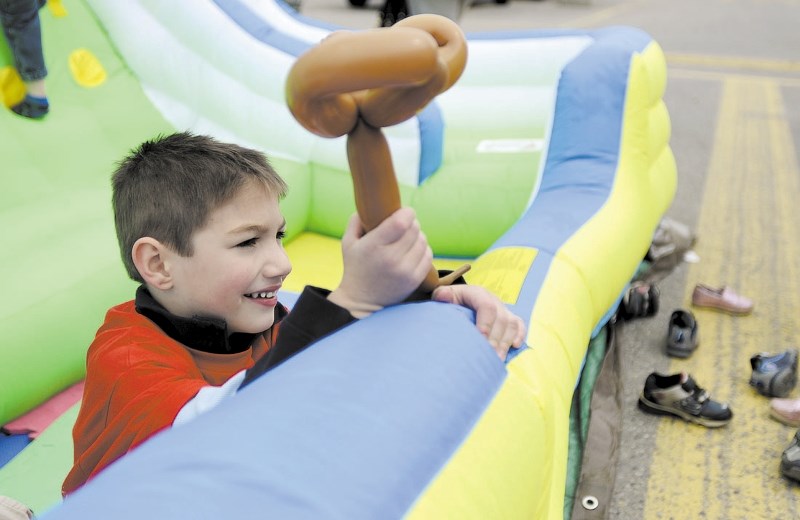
32 107
790 459
679 395
640 300
774 375
681 334
786 411
723 299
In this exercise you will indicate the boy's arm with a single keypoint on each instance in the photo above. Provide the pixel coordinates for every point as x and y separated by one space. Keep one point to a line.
313 317
382 267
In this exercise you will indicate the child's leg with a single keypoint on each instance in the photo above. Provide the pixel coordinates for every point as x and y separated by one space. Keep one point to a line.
22 29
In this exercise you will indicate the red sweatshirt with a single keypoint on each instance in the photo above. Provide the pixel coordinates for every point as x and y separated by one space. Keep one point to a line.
138 379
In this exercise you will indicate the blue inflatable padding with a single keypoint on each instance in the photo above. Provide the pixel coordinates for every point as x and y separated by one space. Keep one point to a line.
431 138
288 298
583 120
624 36
261 31
584 146
382 429
11 445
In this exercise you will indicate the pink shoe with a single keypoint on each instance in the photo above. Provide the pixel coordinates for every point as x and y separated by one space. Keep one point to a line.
723 299
786 411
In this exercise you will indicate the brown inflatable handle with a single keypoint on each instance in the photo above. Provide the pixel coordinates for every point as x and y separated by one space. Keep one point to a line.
356 83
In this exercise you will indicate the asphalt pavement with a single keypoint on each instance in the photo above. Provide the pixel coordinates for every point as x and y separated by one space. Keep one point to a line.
733 94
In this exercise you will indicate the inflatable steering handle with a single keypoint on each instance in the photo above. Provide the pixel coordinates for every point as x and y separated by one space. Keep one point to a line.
356 83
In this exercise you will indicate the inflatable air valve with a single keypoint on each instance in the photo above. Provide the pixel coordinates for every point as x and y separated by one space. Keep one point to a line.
356 83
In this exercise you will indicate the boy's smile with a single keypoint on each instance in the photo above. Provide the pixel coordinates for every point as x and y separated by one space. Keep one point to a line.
238 264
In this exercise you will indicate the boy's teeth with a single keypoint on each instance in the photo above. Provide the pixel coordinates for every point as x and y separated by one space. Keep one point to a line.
262 295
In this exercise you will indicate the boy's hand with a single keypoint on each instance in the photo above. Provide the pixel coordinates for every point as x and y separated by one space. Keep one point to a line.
384 266
502 328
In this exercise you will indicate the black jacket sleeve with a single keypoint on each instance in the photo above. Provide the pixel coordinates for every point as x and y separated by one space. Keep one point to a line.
312 318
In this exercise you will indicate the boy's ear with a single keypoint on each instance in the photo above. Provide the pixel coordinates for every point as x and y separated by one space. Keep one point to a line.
150 258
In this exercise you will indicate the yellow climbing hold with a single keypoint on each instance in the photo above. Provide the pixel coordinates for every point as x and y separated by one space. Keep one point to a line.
86 69
12 89
57 8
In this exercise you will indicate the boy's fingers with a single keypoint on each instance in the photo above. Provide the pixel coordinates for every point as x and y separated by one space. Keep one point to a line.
354 230
395 227
487 324
355 226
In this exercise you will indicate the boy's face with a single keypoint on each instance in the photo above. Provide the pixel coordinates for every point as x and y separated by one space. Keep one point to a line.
238 264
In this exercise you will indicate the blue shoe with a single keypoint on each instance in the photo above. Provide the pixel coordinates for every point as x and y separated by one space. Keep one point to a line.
32 107
774 375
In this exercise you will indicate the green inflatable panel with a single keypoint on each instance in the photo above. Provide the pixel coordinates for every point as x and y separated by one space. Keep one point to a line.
55 206
34 476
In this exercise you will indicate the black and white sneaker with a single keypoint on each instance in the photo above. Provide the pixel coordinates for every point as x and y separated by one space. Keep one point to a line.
679 395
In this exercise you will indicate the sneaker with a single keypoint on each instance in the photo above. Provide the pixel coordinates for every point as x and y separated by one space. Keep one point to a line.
682 334
790 459
723 299
679 395
774 375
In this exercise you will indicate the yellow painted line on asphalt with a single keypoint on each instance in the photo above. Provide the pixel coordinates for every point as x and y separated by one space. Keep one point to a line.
748 238
733 62
600 16
707 75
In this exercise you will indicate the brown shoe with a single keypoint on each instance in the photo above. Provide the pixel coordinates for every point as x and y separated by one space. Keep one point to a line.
786 411
723 299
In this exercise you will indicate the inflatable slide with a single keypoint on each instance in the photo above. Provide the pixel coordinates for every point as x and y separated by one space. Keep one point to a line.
547 166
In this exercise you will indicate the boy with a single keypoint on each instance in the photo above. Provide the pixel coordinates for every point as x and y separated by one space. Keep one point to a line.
199 226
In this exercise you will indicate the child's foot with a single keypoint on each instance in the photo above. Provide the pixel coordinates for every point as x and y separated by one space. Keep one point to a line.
32 107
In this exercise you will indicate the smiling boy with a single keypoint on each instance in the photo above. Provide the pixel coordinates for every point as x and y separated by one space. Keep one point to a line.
200 227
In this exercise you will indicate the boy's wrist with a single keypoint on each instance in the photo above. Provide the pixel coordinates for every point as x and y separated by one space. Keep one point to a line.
358 309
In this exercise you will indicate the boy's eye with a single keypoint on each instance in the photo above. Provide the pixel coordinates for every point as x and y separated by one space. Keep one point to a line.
248 243
281 234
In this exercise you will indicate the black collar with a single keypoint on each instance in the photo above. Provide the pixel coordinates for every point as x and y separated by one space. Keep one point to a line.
198 332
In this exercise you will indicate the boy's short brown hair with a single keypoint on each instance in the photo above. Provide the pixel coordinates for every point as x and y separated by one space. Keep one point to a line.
167 187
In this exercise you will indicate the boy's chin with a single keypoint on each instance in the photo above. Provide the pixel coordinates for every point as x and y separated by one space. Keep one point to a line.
256 327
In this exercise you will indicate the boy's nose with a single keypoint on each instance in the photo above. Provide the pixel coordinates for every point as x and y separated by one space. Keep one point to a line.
278 265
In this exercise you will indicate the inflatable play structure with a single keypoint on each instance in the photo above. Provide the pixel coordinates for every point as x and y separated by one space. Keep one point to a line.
546 166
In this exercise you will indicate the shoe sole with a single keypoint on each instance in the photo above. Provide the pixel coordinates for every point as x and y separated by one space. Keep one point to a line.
722 309
656 409
790 471
683 354
784 420
680 353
